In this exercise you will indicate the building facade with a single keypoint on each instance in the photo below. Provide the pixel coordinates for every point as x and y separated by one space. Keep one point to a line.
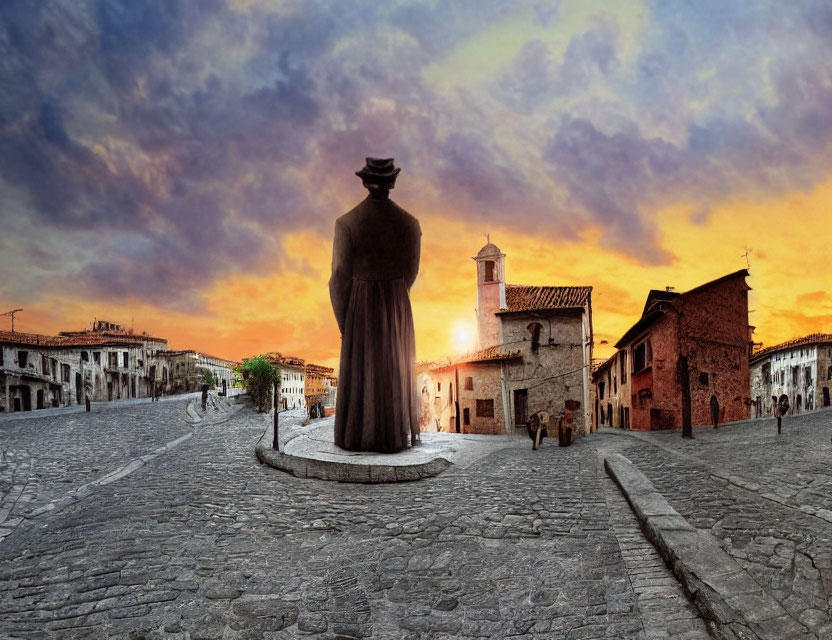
321 388
535 350
292 371
186 370
800 369
693 344
104 363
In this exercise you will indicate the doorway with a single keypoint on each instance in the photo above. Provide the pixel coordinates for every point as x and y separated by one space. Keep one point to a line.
826 396
41 401
521 406
26 394
78 392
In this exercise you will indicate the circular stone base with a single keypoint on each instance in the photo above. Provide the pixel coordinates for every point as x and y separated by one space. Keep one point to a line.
309 452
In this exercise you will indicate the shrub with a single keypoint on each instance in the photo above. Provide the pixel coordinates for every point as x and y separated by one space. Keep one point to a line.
259 377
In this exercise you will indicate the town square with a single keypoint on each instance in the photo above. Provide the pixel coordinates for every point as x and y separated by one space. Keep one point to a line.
423 320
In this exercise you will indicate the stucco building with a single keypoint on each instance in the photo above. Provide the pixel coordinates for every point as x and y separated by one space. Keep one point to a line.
185 370
534 353
685 349
106 362
292 372
800 369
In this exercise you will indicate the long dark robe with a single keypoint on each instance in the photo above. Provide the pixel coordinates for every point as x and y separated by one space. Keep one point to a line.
375 259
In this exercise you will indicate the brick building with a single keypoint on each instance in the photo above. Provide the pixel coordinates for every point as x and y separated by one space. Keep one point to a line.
535 349
800 368
704 330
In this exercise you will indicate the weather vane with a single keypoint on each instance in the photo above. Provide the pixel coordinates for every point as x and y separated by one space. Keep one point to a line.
746 255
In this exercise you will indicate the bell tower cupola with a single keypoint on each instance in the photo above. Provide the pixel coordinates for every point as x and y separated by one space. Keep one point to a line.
491 293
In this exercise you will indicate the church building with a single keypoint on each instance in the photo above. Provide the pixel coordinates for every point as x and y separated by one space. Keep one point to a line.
533 356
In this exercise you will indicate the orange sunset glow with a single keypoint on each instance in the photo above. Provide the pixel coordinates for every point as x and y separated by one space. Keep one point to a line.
185 178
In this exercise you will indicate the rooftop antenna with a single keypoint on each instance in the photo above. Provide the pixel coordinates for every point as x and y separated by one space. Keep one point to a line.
746 255
11 313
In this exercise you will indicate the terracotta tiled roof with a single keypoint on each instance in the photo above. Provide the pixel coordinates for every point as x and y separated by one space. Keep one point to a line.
275 357
123 336
490 354
813 338
37 339
527 298
318 370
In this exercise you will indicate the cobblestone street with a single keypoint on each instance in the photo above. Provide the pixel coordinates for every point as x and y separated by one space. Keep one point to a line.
766 498
199 541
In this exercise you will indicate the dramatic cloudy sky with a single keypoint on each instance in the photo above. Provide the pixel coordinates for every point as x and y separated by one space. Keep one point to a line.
179 165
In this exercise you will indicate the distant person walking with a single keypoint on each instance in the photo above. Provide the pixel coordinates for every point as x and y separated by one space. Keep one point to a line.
375 259
715 411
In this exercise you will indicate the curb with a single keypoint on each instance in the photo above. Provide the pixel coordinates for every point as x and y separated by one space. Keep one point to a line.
344 472
733 604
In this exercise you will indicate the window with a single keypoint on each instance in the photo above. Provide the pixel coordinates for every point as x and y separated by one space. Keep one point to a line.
85 356
614 385
601 389
126 359
44 364
485 408
807 376
489 271
766 373
1 356
438 387
65 372
829 374
466 416
96 357
534 329
638 358
623 367
703 379
642 356
469 385
794 375
22 359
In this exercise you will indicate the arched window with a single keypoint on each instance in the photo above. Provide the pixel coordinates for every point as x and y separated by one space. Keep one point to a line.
534 329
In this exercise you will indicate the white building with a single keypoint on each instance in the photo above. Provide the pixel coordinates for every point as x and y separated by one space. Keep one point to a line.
292 380
800 369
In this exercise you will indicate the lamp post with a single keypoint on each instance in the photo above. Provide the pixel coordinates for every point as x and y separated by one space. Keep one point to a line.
275 441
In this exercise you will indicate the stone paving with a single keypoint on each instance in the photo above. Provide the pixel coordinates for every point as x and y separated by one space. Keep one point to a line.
202 542
766 498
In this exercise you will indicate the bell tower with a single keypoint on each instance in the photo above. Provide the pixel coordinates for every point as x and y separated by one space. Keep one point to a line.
491 293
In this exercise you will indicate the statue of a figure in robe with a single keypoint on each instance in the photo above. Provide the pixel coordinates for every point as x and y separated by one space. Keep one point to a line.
375 259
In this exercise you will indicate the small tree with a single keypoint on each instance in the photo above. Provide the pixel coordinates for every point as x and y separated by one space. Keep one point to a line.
259 375
206 377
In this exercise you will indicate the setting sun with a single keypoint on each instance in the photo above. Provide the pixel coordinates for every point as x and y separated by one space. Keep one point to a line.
463 338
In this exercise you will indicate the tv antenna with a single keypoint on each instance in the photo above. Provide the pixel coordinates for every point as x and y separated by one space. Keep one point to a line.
746 255
11 313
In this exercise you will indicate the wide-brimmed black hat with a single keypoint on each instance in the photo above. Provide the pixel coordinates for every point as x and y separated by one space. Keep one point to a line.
378 170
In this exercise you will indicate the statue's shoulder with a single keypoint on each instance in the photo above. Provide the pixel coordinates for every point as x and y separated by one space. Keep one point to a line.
351 217
408 217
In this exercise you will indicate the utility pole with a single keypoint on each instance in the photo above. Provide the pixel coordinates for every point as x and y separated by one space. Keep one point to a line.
11 313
